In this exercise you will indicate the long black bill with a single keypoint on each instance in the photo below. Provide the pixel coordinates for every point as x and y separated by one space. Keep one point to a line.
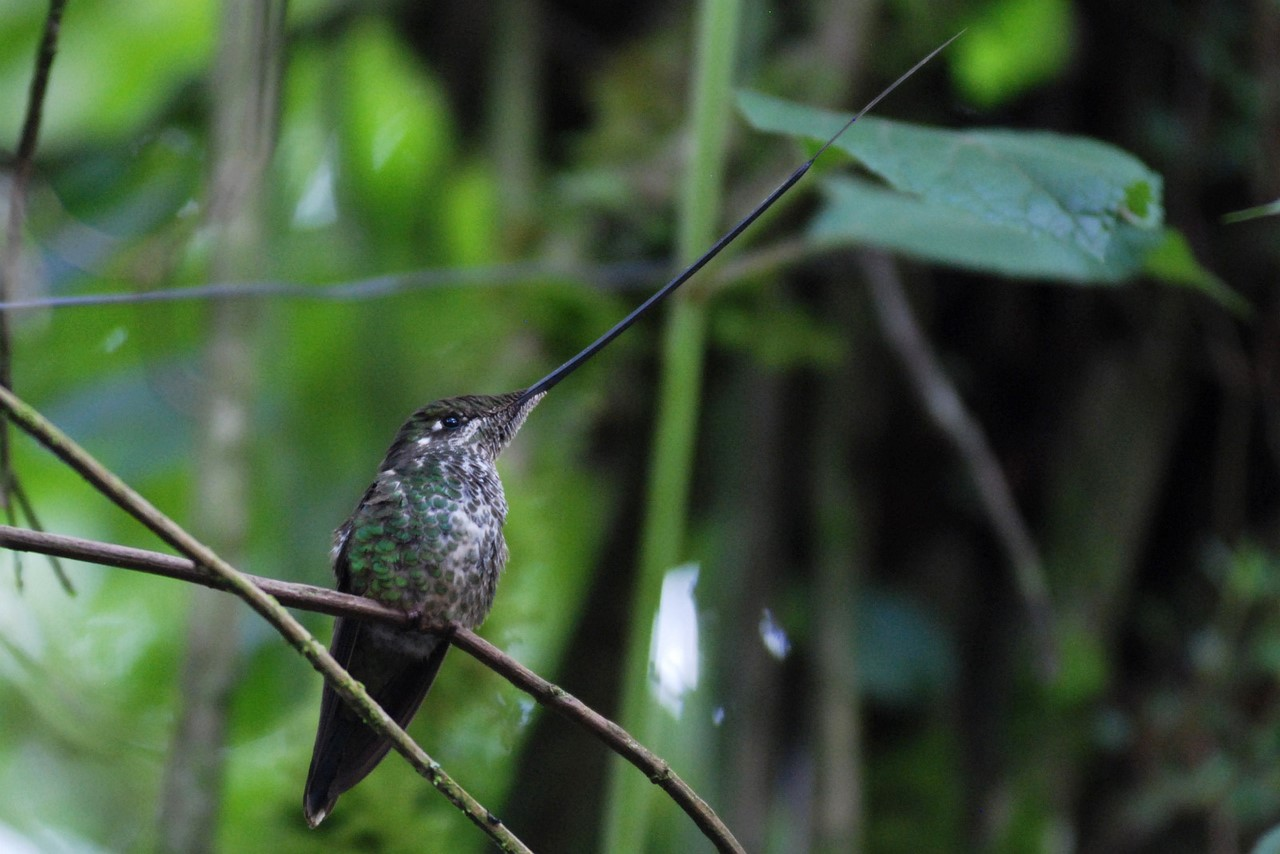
621 326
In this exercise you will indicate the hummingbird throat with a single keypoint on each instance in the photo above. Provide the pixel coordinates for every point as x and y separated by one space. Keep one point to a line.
546 383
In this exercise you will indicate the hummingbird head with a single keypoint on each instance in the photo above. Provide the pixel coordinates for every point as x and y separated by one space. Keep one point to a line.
470 424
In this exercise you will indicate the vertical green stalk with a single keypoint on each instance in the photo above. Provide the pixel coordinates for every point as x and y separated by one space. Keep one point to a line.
243 133
680 386
514 125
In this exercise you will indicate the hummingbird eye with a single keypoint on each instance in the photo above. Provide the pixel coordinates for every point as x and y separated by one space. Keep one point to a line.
447 423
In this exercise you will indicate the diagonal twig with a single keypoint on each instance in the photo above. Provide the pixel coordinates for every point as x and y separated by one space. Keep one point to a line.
351 691
944 405
213 571
12 496
325 601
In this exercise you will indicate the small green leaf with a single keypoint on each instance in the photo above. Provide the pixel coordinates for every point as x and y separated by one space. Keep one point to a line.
1270 209
1173 262
1012 46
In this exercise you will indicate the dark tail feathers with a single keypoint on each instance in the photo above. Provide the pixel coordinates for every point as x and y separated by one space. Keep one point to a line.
346 749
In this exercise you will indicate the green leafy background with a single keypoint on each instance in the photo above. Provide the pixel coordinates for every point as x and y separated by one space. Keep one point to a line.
1135 421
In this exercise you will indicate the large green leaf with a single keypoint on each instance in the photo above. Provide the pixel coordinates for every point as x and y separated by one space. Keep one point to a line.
860 212
1019 204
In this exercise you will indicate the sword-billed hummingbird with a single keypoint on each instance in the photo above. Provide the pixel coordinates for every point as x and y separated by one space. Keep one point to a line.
426 537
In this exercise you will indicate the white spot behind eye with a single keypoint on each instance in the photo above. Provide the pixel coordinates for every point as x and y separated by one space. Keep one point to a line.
437 426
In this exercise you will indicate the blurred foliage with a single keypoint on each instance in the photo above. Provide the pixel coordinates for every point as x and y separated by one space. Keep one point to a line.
1012 46
1139 425
119 68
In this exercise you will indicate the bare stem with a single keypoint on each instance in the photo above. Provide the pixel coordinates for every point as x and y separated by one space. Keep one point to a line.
944 405
11 495
322 600
351 691
267 597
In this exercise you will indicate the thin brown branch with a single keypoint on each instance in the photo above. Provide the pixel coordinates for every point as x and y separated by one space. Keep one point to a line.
24 164
944 405
620 276
615 737
303 596
324 601
351 691
605 277
21 501
11 263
